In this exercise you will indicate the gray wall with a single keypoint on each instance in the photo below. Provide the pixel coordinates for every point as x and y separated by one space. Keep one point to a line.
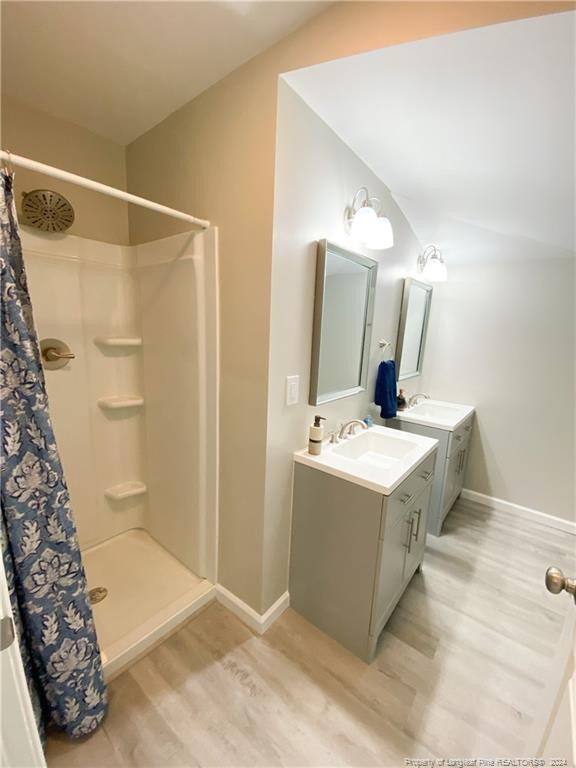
501 337
316 178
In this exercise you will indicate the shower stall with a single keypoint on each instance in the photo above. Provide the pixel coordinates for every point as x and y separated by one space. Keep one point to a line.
130 345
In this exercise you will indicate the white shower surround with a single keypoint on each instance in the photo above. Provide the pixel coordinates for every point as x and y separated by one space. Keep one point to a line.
166 293
181 400
80 289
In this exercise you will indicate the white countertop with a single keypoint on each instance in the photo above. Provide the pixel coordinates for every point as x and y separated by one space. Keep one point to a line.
379 458
437 413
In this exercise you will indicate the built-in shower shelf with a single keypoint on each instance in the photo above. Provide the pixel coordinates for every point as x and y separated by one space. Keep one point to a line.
120 401
118 341
125 490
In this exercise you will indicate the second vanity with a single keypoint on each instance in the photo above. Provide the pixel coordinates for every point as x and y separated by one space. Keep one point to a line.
359 531
450 424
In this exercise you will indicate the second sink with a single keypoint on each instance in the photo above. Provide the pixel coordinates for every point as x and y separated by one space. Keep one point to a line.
437 413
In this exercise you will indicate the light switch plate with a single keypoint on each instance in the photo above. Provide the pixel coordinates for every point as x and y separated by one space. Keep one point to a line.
292 389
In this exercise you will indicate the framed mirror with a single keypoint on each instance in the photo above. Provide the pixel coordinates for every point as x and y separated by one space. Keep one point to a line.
343 313
416 300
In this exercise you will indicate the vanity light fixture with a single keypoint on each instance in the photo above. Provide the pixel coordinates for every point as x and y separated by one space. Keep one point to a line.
431 265
365 223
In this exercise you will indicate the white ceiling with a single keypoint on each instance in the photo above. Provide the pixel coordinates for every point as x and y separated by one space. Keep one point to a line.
119 68
477 126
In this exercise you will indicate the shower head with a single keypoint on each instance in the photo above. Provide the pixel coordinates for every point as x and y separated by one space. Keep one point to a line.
47 210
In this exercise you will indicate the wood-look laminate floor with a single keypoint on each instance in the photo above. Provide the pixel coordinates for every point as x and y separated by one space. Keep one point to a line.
459 670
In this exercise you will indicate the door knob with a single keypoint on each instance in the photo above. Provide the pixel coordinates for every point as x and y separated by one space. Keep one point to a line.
556 582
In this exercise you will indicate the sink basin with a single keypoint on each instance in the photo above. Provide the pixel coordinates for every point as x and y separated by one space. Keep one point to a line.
375 448
436 413
434 410
379 458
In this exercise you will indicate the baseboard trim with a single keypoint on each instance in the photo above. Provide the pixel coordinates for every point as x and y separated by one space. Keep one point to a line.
258 622
516 509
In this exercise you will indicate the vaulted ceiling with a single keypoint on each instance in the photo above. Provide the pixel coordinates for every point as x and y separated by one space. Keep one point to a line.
119 68
477 125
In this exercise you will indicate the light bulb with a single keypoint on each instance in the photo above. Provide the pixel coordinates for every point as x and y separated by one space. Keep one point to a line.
362 223
381 235
435 270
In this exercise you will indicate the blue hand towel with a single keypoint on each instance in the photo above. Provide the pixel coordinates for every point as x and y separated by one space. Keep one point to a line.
385 395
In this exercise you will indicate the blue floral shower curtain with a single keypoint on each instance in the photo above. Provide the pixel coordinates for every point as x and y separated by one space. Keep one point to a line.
40 550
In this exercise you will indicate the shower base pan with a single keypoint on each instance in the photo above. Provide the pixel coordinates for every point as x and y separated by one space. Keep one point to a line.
150 593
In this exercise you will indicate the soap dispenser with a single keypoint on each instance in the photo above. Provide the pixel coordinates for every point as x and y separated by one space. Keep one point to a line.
315 436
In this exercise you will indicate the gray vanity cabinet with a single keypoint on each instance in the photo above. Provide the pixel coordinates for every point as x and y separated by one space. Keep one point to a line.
354 551
453 450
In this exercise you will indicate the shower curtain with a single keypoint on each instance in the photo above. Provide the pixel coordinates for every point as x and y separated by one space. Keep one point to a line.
40 550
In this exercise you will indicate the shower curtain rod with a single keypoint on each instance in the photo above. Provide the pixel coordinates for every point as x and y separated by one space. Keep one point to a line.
81 181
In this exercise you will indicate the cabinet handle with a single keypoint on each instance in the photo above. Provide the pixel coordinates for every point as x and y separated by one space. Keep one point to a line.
407 498
461 462
419 513
468 428
426 476
458 437
410 534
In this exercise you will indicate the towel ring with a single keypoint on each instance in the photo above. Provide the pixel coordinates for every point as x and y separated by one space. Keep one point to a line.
384 345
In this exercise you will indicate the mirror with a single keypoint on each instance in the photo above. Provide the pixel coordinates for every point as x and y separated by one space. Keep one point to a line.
414 314
343 311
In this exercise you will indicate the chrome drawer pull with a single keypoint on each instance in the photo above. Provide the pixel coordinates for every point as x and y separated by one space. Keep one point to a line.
461 462
426 476
468 428
419 513
457 437
407 498
410 534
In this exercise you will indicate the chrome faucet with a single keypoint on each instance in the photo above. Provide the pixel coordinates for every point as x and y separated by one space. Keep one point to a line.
348 428
415 399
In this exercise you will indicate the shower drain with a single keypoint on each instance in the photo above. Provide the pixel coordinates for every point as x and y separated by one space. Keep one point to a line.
97 594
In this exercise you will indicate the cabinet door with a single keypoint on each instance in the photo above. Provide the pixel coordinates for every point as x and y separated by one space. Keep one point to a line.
390 572
417 520
334 555
463 454
451 480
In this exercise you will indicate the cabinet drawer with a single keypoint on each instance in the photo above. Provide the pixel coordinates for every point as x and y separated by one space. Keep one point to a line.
460 437
397 504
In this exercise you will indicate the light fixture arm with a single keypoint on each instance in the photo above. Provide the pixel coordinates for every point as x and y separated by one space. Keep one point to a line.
372 202
428 252
357 203
364 222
